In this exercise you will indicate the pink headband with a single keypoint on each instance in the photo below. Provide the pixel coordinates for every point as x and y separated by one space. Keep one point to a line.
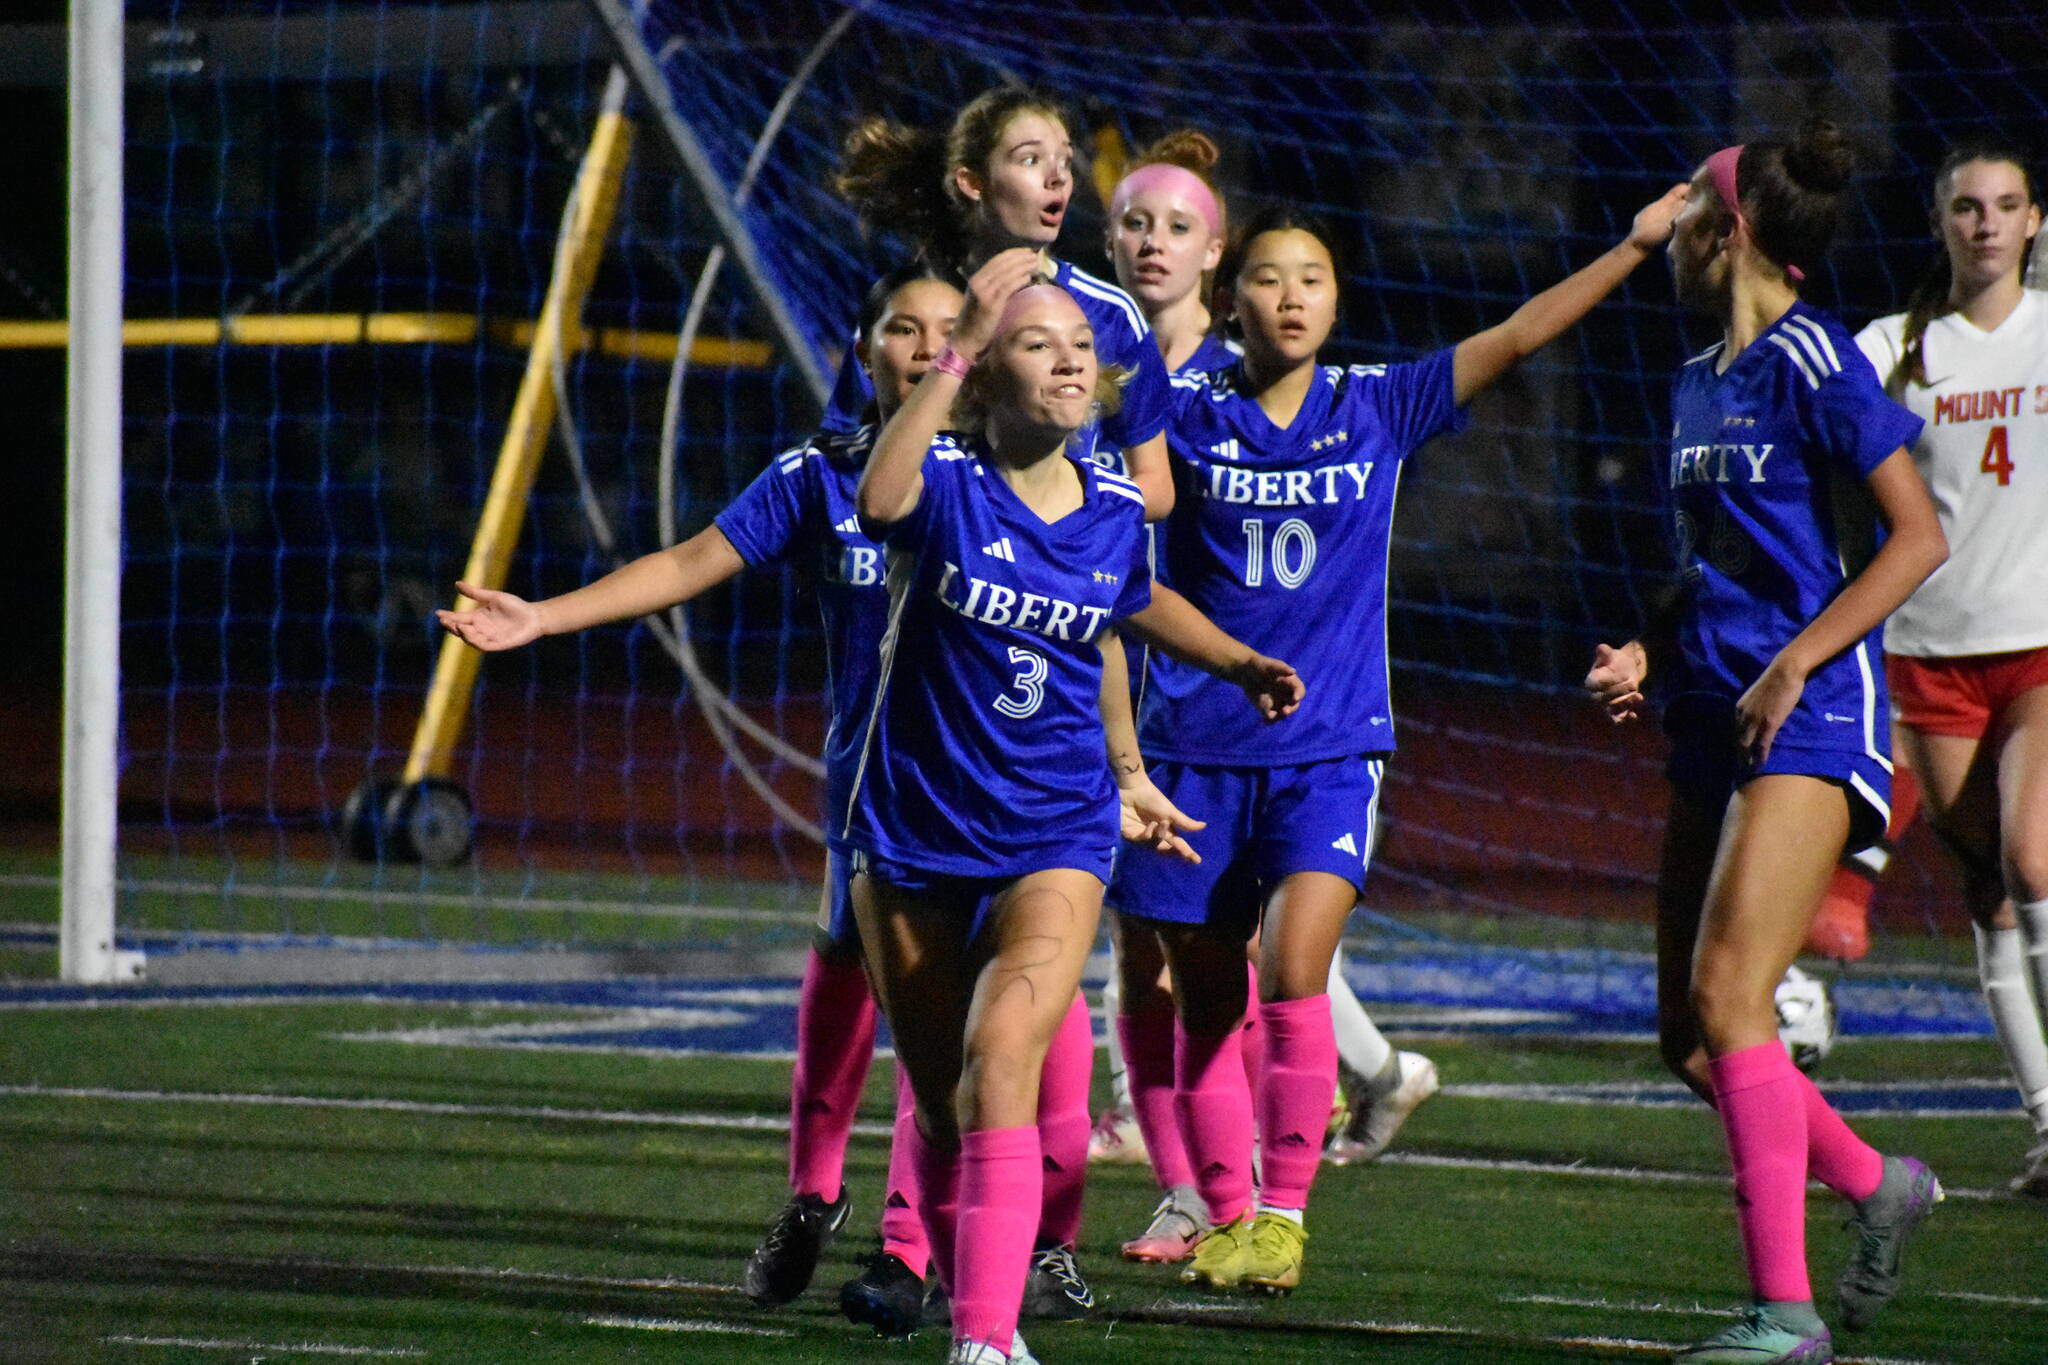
1721 172
1163 175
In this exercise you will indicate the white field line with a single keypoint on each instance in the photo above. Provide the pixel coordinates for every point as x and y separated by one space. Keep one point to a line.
491 1274
745 1123
753 1123
1662 1095
295 1348
737 1329
2010 1300
383 895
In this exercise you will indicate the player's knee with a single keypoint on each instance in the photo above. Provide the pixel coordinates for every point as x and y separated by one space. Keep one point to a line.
2026 866
1727 1006
999 1085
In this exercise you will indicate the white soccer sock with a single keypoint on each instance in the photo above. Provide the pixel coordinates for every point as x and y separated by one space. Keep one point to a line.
2033 917
1362 1047
1112 1009
1293 1216
2002 968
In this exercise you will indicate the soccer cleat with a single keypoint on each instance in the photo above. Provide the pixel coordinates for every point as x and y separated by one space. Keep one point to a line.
1883 1222
2033 1177
1177 1225
887 1296
782 1266
1841 930
1218 1260
1764 1335
1272 1259
1054 1287
1375 1118
980 1353
1115 1139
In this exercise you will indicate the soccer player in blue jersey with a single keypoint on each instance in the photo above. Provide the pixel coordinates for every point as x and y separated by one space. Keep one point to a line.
801 508
1002 176
1286 471
983 809
1785 456
1167 224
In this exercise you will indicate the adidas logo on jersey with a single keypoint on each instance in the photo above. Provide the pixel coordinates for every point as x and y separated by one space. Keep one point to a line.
1225 450
1347 843
849 527
1000 548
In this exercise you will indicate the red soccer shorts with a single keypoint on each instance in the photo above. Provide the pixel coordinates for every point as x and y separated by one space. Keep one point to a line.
1962 695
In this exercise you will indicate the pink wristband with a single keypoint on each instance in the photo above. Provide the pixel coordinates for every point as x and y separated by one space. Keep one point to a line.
950 361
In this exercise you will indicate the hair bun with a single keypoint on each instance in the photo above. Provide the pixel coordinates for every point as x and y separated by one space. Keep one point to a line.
1820 159
1187 148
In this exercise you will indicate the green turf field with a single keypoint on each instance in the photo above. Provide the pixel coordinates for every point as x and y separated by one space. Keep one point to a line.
540 1206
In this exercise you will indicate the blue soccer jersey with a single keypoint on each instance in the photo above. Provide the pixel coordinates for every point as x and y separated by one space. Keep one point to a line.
801 507
1772 515
1280 536
984 755
1215 353
1122 337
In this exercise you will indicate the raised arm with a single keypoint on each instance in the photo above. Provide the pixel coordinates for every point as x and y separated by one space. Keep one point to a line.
1914 548
1174 624
894 478
651 583
1483 358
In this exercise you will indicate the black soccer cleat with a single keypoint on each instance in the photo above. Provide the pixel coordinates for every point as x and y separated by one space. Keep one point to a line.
782 1266
887 1296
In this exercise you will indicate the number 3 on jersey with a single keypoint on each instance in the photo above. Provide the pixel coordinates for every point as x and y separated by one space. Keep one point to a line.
1294 552
1030 683
1997 457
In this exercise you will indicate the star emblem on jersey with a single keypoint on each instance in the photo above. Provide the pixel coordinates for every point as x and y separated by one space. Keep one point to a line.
1334 438
1000 548
1104 576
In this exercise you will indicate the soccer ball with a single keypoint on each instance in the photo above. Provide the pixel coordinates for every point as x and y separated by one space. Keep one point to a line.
1806 1018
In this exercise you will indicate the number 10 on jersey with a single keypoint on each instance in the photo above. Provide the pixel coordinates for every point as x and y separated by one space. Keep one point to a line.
1293 553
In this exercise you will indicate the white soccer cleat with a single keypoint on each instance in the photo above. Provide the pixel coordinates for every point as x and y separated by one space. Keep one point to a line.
1375 1119
2033 1177
1115 1139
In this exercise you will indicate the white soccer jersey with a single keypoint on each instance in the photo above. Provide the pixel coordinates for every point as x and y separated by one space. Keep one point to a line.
1984 454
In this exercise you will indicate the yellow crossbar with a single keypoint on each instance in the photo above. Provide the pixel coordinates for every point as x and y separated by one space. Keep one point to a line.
391 329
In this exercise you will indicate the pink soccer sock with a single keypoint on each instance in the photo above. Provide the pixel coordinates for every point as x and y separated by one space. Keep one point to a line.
903 1234
1063 1124
1294 1101
835 1042
1756 1091
937 1202
1215 1111
1148 1069
999 1201
1837 1158
1253 1043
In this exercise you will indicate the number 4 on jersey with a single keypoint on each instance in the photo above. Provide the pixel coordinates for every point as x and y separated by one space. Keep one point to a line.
1997 457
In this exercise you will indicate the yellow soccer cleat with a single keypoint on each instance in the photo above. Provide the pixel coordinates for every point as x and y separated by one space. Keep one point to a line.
1218 1261
1272 1257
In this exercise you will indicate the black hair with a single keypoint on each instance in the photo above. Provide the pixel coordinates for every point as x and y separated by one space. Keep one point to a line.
1278 217
1791 193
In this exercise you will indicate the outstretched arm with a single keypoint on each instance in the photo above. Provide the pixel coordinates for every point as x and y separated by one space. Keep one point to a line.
1172 623
1482 359
651 583
894 479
